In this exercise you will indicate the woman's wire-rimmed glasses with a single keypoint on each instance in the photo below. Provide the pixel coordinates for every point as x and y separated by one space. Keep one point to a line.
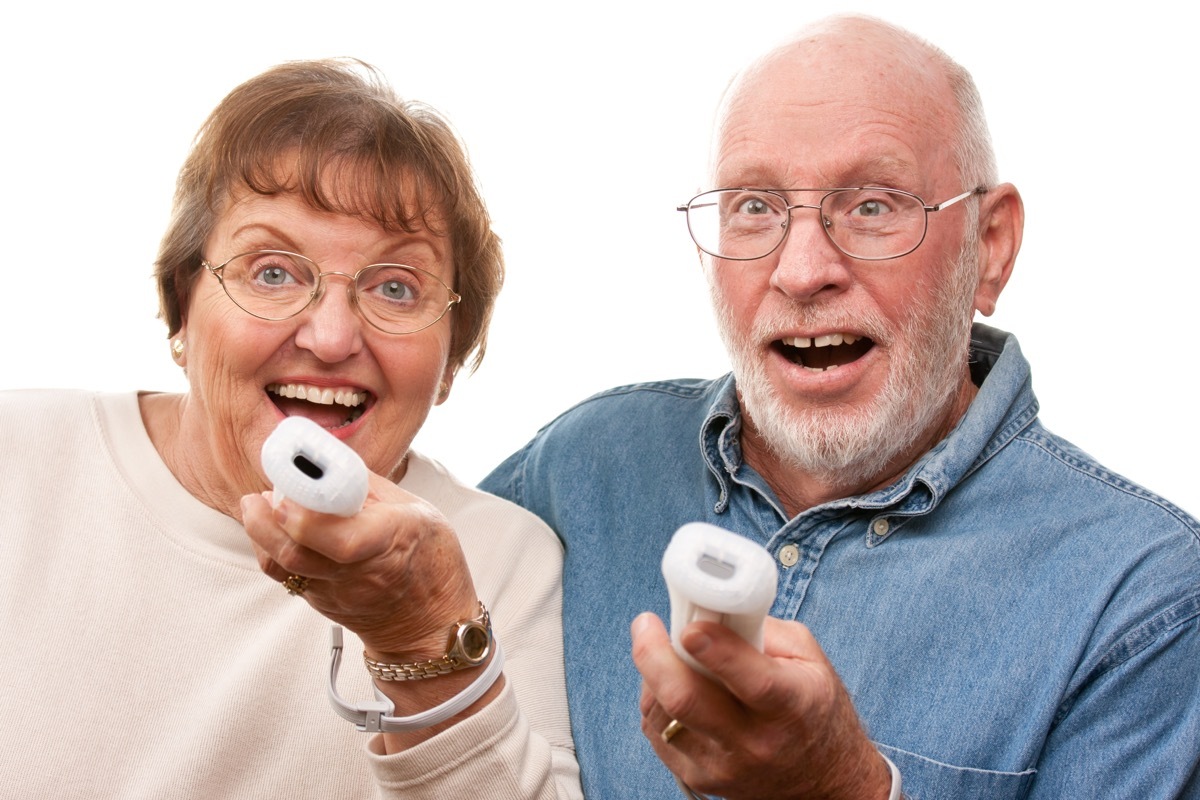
866 223
278 285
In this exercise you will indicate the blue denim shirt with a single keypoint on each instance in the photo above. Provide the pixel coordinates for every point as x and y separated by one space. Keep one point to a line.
1012 619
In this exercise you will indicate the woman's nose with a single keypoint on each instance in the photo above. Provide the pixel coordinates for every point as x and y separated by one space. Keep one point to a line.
331 326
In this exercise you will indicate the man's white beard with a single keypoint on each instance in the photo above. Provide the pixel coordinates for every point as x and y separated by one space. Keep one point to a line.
854 445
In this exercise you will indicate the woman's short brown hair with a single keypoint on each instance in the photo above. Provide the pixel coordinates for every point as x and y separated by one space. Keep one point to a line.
336 134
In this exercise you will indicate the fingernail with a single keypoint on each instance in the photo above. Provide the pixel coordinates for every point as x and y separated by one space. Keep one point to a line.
639 623
698 642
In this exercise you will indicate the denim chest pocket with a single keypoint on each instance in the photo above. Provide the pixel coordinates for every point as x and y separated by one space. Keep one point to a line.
925 779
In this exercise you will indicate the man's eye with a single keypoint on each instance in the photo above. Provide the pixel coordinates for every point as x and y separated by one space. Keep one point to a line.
870 208
754 206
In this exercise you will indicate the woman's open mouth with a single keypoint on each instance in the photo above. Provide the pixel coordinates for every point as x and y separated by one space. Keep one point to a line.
329 407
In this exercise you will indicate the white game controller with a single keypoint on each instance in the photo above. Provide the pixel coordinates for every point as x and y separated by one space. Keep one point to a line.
313 467
713 574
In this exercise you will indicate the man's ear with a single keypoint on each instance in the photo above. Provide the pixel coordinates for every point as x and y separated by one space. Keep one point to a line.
1001 225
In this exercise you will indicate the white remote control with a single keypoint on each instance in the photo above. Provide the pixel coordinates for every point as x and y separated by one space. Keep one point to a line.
713 574
313 467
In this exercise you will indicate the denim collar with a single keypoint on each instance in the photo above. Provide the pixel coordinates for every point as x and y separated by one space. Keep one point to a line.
1004 406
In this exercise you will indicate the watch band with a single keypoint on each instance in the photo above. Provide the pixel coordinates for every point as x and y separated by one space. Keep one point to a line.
470 643
375 717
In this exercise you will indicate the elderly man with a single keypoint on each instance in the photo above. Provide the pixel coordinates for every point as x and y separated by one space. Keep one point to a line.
968 606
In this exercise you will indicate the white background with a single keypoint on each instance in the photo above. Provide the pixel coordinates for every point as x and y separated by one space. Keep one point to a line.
587 126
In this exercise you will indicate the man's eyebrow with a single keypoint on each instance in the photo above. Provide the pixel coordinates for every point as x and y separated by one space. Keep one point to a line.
889 171
895 173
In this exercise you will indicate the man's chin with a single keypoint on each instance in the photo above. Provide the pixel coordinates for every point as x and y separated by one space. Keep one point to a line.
847 446
834 447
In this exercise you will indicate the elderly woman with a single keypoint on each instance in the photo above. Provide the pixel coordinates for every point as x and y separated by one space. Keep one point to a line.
329 258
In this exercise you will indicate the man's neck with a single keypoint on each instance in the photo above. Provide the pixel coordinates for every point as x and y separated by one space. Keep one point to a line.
799 490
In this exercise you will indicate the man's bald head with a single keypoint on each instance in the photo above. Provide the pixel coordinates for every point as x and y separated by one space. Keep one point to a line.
882 64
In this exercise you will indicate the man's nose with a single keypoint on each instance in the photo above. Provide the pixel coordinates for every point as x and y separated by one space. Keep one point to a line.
807 263
331 326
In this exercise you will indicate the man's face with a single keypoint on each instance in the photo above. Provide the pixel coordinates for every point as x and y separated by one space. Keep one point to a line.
840 114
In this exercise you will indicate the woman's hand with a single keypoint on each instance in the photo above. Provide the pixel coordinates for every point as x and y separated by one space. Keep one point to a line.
394 573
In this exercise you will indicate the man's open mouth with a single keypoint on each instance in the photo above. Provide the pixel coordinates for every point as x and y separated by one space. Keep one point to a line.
327 406
828 351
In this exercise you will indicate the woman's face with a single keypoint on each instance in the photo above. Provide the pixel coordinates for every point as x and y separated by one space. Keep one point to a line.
242 368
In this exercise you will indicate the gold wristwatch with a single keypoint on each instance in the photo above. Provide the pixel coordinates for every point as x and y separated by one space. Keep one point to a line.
469 646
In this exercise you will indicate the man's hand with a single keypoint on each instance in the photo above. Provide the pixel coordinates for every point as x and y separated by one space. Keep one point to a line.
777 724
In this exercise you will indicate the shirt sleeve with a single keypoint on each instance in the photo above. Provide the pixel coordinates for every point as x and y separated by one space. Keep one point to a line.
506 479
1132 730
492 754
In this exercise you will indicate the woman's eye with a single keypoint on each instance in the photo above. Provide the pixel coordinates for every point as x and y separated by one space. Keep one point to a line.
395 290
391 284
271 269
274 276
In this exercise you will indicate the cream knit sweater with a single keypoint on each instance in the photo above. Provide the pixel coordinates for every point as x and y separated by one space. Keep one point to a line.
146 656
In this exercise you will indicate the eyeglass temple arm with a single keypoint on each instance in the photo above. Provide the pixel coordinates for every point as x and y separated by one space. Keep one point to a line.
953 200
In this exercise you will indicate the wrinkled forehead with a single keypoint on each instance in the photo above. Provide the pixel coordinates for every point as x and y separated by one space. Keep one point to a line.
329 217
836 98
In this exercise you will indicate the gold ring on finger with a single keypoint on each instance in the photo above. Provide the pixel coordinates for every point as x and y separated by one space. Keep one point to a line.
295 584
668 733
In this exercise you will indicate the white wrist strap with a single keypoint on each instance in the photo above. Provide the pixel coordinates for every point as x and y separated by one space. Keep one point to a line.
895 793
376 717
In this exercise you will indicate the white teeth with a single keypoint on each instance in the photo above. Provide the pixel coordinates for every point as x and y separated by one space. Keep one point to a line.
319 395
822 341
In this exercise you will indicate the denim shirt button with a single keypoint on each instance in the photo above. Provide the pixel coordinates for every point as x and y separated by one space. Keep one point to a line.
789 554
881 526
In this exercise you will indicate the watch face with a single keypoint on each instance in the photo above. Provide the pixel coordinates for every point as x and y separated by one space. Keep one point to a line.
474 639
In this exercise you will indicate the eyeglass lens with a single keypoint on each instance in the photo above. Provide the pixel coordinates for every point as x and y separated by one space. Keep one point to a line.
277 285
744 225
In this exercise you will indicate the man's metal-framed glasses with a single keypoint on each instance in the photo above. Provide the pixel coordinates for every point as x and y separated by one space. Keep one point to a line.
277 285
866 223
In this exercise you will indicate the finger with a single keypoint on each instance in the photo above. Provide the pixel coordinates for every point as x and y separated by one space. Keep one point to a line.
789 639
666 677
790 675
654 717
687 752
275 547
391 520
302 539
683 693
